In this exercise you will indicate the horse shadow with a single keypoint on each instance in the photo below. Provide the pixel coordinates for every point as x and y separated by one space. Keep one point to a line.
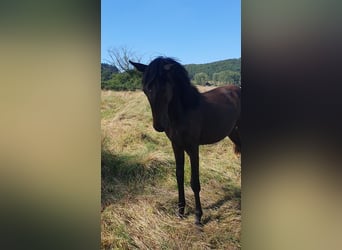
125 176
232 195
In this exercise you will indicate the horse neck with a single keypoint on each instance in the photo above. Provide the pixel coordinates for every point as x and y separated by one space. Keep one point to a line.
175 109
184 99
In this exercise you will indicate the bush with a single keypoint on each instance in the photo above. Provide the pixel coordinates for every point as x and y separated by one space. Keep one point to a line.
130 80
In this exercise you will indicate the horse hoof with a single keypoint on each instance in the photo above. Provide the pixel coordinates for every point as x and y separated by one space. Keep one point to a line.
180 212
198 222
180 216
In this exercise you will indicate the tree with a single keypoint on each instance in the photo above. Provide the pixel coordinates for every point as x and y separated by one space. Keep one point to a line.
236 78
201 78
216 77
107 71
120 57
123 81
227 77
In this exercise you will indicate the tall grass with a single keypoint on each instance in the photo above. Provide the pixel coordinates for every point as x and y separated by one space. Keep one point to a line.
139 191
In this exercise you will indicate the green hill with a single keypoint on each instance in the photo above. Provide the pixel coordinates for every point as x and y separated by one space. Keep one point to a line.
214 67
218 73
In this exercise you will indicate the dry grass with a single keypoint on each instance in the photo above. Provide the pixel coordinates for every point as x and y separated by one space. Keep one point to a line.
139 191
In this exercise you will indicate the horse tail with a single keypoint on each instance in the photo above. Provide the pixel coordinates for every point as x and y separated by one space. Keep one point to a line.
237 149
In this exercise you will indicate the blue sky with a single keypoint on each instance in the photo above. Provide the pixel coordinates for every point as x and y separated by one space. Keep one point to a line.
192 31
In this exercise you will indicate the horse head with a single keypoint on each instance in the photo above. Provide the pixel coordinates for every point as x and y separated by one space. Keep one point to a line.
158 87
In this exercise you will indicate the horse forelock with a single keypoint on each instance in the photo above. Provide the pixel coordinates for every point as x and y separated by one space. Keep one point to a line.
160 66
165 68
154 71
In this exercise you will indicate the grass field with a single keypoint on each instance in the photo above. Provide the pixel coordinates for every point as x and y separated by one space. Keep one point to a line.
139 191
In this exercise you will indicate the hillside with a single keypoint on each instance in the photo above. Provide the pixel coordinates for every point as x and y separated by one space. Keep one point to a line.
214 67
139 190
217 73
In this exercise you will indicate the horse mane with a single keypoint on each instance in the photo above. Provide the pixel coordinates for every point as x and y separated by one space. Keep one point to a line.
183 89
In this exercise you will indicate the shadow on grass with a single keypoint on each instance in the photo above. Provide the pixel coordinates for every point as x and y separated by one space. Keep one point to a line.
232 193
229 200
232 198
128 175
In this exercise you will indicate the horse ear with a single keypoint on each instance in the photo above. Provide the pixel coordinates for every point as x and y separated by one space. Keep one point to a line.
139 66
168 66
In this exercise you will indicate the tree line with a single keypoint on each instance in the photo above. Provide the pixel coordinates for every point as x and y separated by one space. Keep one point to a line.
216 73
120 75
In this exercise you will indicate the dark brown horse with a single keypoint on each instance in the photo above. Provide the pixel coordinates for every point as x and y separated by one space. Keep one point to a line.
188 117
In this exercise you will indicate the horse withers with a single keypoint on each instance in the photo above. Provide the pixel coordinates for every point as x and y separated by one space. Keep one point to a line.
189 118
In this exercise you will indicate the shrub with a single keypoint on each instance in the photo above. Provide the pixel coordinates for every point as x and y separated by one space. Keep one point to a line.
130 80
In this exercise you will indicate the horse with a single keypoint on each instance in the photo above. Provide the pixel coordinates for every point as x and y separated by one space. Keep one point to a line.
189 118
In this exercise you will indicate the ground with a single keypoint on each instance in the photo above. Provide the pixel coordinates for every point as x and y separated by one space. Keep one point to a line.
139 190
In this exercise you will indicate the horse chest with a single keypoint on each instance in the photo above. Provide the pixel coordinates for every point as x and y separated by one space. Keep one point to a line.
182 136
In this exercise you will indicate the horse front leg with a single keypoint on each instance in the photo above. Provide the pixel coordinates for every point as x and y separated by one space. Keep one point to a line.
195 182
179 157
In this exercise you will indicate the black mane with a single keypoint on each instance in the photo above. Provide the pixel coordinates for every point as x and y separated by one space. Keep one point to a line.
183 89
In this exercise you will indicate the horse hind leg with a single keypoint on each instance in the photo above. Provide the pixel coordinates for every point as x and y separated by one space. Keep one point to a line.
235 137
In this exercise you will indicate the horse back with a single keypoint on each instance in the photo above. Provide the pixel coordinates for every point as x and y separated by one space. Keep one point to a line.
228 95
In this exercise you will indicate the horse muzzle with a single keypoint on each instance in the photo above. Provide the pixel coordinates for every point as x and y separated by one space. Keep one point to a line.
158 128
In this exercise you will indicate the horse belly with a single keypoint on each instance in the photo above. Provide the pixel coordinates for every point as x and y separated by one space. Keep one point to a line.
215 127
214 134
